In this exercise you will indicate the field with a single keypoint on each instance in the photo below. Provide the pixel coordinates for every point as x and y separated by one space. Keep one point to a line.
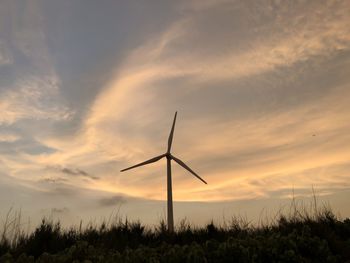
299 236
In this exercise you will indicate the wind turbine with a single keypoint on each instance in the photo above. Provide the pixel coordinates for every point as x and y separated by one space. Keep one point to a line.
168 157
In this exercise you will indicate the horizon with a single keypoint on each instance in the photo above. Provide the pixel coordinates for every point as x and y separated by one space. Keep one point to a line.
89 88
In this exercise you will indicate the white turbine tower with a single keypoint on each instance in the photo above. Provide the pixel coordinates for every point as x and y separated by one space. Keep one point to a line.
169 157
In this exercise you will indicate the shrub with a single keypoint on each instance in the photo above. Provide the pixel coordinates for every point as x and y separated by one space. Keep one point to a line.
295 238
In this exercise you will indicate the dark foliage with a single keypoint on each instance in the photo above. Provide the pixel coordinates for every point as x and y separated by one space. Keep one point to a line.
298 238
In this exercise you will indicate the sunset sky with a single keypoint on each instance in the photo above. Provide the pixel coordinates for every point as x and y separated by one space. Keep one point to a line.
262 90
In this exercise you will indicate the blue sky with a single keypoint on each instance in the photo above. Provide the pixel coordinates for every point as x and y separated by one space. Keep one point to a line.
90 87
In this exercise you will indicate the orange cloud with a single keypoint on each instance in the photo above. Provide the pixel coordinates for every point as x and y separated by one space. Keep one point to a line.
240 157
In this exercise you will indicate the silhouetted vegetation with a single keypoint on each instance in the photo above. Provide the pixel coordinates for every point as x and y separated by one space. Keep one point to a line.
299 236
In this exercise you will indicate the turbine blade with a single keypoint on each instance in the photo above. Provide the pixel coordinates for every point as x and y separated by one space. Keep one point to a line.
171 135
187 168
145 162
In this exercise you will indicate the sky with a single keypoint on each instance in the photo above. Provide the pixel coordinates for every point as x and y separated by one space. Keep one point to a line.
87 88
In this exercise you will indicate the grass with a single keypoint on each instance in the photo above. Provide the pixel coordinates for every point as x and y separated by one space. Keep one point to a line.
306 233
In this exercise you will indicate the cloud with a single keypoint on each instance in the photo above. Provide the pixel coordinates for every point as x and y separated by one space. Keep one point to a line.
9 137
270 91
112 201
53 180
157 62
252 83
74 172
29 100
5 55
282 37
30 86
63 210
63 190
78 172
23 145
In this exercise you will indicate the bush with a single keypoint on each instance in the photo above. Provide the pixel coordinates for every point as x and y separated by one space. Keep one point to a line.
297 238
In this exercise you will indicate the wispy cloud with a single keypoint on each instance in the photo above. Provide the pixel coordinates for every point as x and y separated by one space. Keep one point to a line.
60 210
112 201
261 90
9 137
130 104
5 55
54 180
30 86
32 99
77 172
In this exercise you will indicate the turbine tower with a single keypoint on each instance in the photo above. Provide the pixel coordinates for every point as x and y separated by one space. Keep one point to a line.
168 157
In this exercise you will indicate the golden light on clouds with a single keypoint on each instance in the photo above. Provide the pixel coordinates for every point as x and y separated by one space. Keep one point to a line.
261 88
